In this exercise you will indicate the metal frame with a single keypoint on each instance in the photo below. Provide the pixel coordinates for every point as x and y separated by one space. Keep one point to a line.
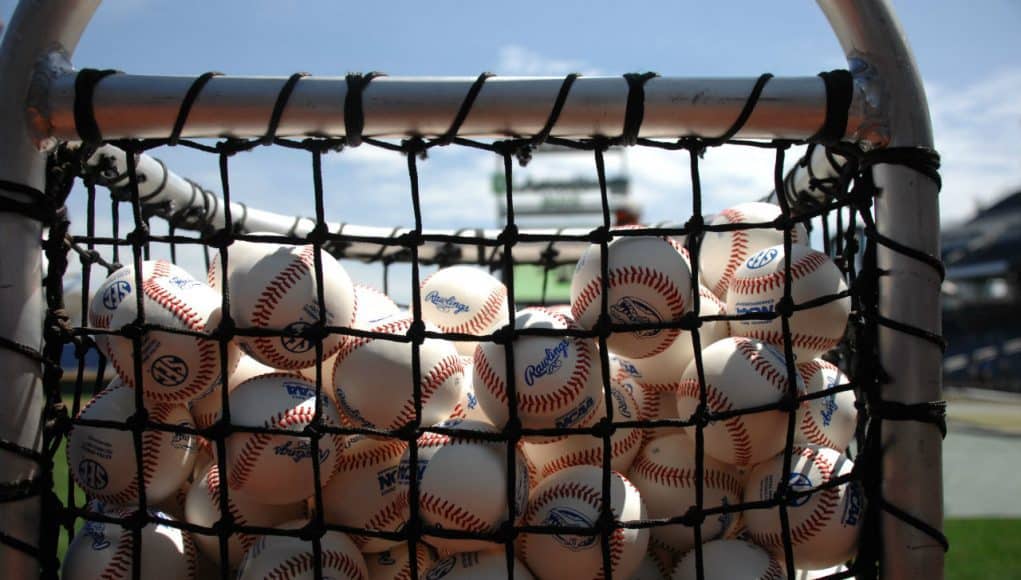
36 94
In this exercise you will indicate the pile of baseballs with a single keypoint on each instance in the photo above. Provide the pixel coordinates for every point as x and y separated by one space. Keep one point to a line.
468 487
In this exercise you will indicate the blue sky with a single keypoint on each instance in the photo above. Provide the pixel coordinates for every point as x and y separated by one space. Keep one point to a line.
967 52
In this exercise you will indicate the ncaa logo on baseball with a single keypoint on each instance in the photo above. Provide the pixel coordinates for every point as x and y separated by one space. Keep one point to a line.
762 258
113 295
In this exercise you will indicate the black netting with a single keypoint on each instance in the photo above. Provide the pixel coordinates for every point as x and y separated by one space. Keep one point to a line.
846 200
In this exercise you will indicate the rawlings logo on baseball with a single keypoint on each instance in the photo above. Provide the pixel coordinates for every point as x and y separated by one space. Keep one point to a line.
634 311
829 406
852 506
550 363
442 568
113 295
446 303
568 517
183 283
762 258
299 450
622 406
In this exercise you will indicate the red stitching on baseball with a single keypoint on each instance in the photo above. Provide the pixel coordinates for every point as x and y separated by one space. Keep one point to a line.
817 519
593 455
774 280
119 566
813 433
495 303
305 562
464 519
677 477
774 571
387 519
253 447
762 365
740 441
437 376
798 339
639 275
348 460
738 251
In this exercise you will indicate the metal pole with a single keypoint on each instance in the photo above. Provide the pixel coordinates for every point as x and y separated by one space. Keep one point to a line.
906 211
139 106
36 30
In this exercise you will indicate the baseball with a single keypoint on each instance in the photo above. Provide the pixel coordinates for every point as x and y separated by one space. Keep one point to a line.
490 565
573 498
175 368
824 524
722 253
105 550
572 450
463 484
102 460
664 472
292 558
395 563
119 287
273 286
758 286
729 559
740 373
649 569
829 421
649 283
365 492
373 379
464 299
202 508
557 377
277 469
662 373
207 409
467 406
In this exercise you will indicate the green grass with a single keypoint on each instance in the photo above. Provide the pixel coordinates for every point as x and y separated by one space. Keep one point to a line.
983 548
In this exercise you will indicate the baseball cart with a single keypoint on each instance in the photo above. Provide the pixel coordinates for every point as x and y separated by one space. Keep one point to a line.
224 395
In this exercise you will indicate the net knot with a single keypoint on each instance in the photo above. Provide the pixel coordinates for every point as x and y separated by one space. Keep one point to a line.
693 517
503 335
219 238
604 428
132 330
319 234
416 332
139 236
701 417
600 235
785 307
690 321
509 235
137 421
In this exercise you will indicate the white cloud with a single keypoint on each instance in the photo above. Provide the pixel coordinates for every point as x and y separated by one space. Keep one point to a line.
520 61
977 132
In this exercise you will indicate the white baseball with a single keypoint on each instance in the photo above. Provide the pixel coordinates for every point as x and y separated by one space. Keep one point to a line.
102 460
291 558
175 368
373 380
202 508
573 498
467 406
105 550
490 565
277 469
365 492
463 485
824 525
557 379
207 409
648 569
118 287
740 373
662 373
464 299
730 559
722 253
624 373
273 286
395 563
829 421
572 450
649 282
664 472
758 286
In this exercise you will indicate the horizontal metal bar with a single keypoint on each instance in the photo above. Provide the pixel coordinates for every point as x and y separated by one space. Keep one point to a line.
139 106
164 190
